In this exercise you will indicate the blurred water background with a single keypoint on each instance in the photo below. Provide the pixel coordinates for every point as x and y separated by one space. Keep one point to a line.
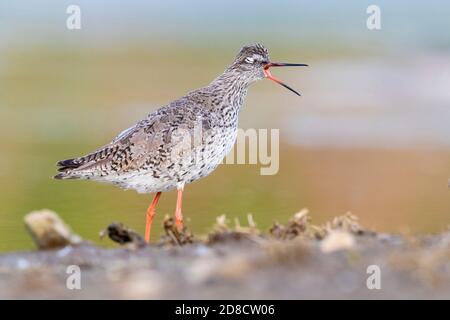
370 135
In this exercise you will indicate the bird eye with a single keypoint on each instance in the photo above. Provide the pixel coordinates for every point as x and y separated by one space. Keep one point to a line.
249 60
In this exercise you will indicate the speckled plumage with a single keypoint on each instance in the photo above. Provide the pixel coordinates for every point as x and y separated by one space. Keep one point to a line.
180 142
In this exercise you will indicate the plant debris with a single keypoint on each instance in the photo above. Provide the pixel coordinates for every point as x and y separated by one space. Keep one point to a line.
348 223
174 236
121 234
222 232
300 226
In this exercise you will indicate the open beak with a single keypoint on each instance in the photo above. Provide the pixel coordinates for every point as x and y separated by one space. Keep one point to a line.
281 64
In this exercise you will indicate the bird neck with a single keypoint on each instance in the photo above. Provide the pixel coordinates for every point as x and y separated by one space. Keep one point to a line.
229 89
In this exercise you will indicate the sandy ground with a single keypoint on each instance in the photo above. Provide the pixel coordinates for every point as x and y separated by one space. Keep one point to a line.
292 261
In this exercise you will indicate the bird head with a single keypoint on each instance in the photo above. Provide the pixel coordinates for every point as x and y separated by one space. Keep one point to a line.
253 62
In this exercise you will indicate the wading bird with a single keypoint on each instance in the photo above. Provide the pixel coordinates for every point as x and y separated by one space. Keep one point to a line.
147 156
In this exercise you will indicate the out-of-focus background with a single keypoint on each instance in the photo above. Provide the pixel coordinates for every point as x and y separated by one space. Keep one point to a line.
370 135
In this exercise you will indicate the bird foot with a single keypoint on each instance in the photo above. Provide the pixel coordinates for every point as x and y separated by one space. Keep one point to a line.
179 224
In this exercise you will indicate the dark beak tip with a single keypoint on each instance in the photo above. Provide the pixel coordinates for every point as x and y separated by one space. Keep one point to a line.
282 64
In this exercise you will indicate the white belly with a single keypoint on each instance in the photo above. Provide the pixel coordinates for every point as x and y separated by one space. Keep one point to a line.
184 166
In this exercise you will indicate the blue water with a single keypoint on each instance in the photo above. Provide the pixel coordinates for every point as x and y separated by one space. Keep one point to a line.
297 23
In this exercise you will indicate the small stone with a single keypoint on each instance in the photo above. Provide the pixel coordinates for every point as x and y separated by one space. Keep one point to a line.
49 231
337 240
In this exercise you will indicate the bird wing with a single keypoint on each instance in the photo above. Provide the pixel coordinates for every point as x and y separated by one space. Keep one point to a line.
146 144
123 153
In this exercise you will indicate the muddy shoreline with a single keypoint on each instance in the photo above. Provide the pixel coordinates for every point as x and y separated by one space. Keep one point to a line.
292 261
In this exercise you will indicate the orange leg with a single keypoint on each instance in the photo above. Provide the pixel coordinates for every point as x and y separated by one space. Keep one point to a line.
178 214
150 214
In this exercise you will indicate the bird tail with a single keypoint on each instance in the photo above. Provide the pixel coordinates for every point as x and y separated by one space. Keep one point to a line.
68 168
84 167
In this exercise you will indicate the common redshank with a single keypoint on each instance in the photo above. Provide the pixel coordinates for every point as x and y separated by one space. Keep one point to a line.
148 158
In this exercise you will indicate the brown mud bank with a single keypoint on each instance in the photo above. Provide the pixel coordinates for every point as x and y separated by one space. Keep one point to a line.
295 260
